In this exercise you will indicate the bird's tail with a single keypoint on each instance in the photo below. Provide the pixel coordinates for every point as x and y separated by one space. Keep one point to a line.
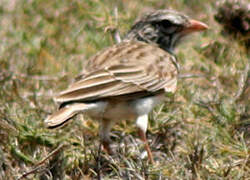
64 114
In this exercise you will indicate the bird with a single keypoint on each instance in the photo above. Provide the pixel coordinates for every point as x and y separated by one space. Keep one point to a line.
127 80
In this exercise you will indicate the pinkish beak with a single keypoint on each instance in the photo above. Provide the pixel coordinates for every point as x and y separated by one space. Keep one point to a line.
195 26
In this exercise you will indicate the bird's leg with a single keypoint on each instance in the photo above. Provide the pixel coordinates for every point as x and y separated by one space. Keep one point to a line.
104 131
142 123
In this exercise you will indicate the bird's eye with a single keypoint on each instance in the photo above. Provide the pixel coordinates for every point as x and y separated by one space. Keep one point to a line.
167 26
171 29
166 23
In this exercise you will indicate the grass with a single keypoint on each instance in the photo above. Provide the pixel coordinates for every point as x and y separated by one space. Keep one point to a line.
202 132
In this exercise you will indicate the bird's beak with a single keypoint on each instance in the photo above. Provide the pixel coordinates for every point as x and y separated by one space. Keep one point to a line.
195 26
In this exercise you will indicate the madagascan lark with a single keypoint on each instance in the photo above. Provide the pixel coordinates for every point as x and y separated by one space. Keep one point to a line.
127 80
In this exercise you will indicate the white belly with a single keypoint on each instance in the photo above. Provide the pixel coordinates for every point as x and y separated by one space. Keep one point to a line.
120 110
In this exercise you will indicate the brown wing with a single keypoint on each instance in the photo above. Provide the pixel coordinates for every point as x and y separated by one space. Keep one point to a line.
126 68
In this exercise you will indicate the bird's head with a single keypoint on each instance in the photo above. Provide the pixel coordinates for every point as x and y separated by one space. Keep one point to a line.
164 28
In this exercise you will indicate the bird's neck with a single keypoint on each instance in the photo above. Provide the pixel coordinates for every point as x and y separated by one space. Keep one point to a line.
164 44
167 43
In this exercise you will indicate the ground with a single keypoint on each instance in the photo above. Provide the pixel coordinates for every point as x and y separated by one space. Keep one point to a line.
201 132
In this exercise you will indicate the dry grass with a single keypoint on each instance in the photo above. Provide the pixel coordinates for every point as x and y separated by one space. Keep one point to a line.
200 133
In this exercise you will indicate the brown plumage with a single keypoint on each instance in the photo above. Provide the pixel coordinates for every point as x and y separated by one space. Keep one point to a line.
124 69
127 80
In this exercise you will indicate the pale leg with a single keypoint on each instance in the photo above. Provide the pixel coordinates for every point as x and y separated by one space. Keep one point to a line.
142 124
104 131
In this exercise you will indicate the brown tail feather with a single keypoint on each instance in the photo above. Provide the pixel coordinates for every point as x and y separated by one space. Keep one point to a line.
64 114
